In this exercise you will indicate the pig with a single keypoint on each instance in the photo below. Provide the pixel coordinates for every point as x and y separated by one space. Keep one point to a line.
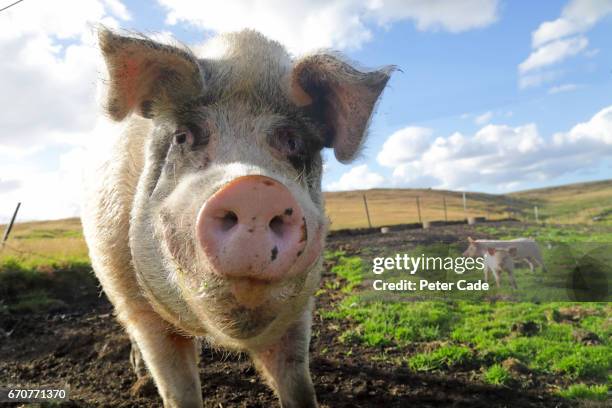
498 260
206 222
527 250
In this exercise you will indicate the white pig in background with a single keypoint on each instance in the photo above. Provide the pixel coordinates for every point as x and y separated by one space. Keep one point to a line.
527 250
207 221
498 260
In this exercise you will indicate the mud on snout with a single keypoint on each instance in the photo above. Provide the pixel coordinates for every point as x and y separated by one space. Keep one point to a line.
245 257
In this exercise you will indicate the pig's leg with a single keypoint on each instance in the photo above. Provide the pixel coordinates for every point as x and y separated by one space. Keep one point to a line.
144 385
530 263
285 366
496 276
171 358
486 273
512 280
136 360
540 262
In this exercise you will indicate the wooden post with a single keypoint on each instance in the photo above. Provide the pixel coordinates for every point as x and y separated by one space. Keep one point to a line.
418 203
535 211
365 204
445 214
464 206
10 226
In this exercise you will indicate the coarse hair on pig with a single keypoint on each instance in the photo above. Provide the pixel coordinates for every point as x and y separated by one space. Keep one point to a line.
207 220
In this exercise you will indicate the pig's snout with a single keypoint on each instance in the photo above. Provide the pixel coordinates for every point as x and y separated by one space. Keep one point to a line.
252 228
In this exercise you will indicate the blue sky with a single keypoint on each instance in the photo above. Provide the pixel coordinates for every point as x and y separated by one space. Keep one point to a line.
492 96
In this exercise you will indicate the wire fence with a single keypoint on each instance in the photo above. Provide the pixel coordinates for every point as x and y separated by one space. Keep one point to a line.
378 208
28 253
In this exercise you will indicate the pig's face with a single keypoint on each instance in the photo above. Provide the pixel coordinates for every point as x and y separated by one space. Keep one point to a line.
228 222
237 213
473 250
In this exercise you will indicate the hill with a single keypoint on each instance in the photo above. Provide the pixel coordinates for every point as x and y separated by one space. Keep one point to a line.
568 204
572 203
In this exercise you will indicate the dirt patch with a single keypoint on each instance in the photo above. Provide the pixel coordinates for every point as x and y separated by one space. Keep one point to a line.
87 350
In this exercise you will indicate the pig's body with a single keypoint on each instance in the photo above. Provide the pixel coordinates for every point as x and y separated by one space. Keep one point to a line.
498 261
207 220
527 249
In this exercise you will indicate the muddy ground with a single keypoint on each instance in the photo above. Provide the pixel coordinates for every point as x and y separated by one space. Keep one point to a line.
83 346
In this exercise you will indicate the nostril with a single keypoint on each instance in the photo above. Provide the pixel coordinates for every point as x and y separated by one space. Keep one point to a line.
228 221
277 225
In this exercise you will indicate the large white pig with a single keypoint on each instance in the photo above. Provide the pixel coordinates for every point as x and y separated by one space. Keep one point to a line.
207 221
527 250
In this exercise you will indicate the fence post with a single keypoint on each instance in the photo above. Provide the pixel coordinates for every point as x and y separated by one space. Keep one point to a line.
10 226
444 203
365 204
418 203
535 211
464 206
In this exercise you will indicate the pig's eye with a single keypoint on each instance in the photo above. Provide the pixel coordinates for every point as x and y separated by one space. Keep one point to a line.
191 135
183 136
287 142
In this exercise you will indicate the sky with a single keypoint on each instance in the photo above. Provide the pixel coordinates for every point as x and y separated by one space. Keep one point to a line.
491 95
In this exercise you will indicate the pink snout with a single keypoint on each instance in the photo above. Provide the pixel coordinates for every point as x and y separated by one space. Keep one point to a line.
252 228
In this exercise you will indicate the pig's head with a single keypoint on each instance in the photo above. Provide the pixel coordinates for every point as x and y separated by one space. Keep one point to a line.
228 223
474 249
503 257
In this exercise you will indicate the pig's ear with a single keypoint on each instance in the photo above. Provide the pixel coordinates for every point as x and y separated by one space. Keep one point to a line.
146 77
341 97
470 240
491 251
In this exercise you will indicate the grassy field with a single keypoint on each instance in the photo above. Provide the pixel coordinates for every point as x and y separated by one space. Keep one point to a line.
503 343
561 348
566 344
575 203
46 242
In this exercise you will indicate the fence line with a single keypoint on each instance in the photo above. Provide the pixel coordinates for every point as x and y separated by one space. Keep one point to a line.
365 204
22 252
380 208
10 225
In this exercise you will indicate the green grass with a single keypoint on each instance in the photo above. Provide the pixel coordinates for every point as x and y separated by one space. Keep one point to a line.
33 286
545 338
549 233
489 329
583 391
445 357
351 269
497 375
379 324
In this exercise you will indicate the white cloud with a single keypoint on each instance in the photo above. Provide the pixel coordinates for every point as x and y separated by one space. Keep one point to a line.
502 156
43 194
55 193
594 134
484 118
539 78
48 113
562 88
49 69
404 145
357 178
447 15
344 24
555 41
118 9
578 16
553 53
